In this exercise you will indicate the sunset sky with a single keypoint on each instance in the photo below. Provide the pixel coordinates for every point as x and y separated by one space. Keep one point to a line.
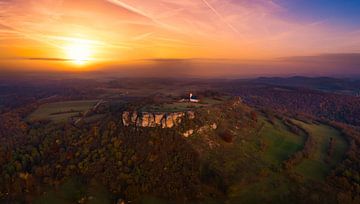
318 35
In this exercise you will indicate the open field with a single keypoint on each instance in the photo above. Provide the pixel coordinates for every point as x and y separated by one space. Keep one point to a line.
74 190
271 145
280 144
274 187
182 106
61 111
319 164
276 145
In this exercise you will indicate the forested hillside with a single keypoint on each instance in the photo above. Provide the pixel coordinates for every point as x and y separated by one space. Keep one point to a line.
233 152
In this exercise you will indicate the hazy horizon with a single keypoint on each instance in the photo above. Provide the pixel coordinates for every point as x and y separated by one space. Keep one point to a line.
330 65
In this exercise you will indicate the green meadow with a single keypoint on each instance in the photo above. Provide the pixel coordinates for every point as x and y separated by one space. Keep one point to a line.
276 144
317 167
279 142
61 111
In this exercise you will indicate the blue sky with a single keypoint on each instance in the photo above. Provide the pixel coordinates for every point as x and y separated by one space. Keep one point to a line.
343 13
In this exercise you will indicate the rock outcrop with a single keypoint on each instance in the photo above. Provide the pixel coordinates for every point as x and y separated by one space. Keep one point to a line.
158 118
134 117
126 120
188 133
169 122
206 128
191 115
146 119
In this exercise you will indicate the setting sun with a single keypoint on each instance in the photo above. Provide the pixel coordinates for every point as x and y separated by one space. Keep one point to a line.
79 51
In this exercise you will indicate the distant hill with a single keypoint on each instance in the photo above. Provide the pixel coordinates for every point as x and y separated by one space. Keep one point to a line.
343 85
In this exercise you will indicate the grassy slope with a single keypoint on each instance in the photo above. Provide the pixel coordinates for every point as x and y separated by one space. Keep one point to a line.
269 184
172 107
272 188
61 111
182 106
73 191
280 143
315 167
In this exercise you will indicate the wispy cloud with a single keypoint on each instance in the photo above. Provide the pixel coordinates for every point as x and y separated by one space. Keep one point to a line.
4 27
38 59
45 59
220 16
131 8
142 13
142 36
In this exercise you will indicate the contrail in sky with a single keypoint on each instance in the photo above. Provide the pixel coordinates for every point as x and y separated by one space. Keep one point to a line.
141 13
130 8
220 16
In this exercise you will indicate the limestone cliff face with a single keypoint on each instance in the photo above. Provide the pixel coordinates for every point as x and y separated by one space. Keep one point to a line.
126 120
146 119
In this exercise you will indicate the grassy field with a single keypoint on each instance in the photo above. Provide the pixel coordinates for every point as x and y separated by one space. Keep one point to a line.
276 144
262 181
181 106
74 191
280 143
316 166
172 107
273 187
61 111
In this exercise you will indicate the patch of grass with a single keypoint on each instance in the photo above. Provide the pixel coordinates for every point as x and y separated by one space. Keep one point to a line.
268 184
176 106
94 118
61 111
69 192
280 144
213 101
73 191
182 106
313 169
151 200
316 167
271 189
